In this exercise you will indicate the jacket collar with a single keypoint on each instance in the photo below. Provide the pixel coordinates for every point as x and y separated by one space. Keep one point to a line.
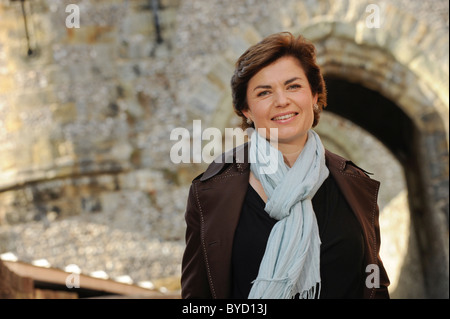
238 155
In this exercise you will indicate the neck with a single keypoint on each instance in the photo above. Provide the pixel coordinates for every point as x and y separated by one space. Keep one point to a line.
291 151
291 157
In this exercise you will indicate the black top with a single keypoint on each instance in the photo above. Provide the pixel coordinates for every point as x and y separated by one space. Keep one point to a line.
341 252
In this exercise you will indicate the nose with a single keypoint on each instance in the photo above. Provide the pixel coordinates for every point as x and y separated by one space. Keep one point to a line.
281 99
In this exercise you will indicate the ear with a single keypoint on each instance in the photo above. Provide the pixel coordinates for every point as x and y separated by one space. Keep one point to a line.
315 98
247 113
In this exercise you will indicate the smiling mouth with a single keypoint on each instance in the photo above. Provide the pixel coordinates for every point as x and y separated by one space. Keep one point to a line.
284 117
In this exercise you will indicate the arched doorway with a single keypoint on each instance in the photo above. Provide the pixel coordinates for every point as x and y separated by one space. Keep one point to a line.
372 131
398 109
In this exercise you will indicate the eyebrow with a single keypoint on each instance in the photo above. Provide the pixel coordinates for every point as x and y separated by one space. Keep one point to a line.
285 83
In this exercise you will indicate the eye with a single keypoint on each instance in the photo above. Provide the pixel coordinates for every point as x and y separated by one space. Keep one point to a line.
263 93
294 86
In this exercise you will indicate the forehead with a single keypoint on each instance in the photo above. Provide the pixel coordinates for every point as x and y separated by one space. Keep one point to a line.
279 71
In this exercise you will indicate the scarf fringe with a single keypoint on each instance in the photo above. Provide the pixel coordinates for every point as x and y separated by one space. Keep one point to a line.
311 293
292 292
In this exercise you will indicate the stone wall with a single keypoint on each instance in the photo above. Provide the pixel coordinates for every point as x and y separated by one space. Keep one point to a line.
85 120
84 130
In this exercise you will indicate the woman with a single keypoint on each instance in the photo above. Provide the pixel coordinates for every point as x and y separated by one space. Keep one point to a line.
295 222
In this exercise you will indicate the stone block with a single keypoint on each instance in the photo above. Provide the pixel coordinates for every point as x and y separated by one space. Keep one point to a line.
42 154
344 30
64 113
319 28
6 84
13 122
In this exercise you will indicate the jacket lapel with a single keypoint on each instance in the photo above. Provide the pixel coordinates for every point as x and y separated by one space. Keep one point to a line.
361 194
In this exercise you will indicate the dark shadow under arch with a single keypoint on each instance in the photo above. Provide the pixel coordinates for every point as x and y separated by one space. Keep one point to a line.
376 114
387 122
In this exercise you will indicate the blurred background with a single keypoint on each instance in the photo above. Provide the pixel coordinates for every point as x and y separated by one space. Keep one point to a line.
90 93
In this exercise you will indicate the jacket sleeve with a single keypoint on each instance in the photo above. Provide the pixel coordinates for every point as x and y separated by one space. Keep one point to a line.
194 279
381 292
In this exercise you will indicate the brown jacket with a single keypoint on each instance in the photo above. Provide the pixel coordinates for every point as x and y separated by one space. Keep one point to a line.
212 214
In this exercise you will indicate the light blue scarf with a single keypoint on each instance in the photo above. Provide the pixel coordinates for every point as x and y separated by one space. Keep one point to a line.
291 262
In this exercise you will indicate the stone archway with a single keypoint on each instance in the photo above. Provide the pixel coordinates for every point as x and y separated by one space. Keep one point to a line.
411 127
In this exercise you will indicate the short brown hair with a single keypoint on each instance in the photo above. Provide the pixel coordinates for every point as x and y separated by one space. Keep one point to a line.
265 53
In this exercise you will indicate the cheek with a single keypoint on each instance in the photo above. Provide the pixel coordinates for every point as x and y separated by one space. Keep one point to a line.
310 110
307 104
257 110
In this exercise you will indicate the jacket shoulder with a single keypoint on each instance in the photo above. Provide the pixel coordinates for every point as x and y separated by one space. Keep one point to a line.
337 162
237 156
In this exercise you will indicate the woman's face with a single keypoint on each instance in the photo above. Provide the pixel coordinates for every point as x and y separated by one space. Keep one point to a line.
279 96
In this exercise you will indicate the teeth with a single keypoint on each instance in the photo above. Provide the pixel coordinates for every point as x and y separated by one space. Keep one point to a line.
284 117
